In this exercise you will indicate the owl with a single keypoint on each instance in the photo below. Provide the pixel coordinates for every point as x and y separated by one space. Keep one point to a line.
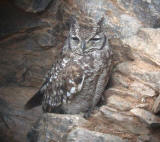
76 82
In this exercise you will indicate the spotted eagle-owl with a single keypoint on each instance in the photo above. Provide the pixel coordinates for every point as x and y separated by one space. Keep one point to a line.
77 80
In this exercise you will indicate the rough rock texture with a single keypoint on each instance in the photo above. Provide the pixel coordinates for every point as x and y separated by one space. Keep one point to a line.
54 127
146 116
66 128
79 135
18 121
29 43
33 6
27 50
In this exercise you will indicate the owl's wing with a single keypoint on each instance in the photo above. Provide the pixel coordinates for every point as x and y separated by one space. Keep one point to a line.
61 91
58 88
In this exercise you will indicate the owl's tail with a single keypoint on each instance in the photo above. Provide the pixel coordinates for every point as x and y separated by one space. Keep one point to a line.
36 100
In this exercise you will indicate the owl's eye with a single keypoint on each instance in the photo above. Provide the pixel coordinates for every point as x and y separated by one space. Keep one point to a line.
96 38
75 38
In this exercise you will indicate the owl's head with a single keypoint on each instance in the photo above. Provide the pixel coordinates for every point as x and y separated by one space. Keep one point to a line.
86 37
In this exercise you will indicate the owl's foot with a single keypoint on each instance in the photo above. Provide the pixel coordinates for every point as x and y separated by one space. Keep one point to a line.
87 114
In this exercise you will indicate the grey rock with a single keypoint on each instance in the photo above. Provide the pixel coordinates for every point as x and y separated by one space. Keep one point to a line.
129 25
144 45
117 89
142 89
44 39
32 5
24 61
119 102
147 138
115 115
123 119
146 116
143 72
14 21
6 113
14 114
54 127
84 135
156 106
124 99
119 99
147 11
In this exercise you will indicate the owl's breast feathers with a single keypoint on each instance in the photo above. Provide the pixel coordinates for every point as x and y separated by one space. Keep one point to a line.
64 86
63 83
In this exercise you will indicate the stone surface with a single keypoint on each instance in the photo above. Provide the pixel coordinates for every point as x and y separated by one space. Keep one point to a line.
31 37
147 138
18 120
139 74
84 135
54 127
145 44
119 102
148 117
120 99
156 106
147 11
26 53
128 122
32 5
129 25
142 89
14 20
147 73
6 120
5 111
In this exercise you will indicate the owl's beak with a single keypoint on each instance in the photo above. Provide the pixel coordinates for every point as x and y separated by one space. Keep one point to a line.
83 45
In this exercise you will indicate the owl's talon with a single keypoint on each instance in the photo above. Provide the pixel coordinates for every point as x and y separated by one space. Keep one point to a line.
87 114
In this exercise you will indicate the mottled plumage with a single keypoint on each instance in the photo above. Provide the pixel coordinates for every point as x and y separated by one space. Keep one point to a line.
77 80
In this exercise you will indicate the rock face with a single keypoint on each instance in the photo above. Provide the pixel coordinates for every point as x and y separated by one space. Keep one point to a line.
79 135
33 6
66 128
146 116
54 127
29 44
27 50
